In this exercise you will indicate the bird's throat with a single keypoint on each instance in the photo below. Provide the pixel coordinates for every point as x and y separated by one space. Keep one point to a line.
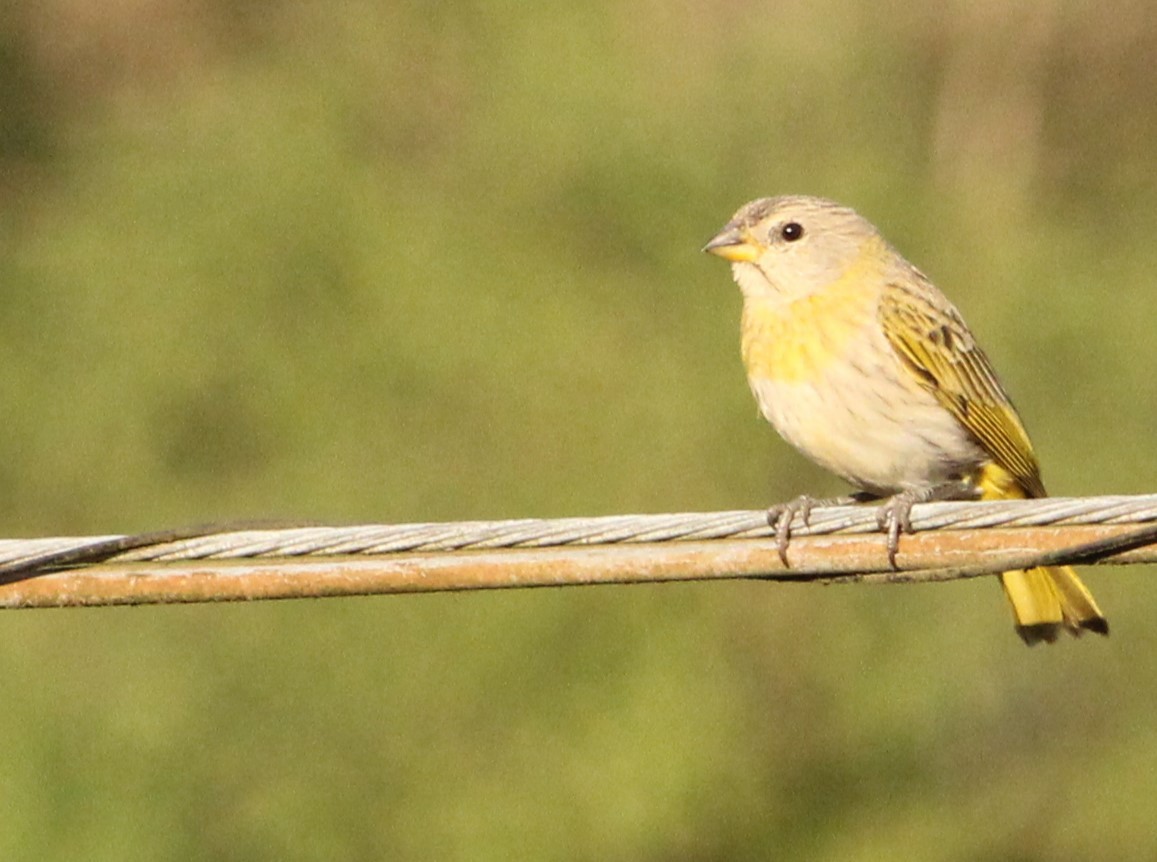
795 341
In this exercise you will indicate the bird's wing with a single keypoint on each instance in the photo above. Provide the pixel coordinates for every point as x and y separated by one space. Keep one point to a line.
934 343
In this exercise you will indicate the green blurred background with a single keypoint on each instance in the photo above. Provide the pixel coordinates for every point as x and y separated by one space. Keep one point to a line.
400 261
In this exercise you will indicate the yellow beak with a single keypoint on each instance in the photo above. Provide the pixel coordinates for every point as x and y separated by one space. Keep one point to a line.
734 244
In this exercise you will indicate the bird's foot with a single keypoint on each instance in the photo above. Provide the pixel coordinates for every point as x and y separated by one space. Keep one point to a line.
895 515
781 516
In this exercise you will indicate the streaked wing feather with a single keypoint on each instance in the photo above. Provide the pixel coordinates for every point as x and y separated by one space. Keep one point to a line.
933 341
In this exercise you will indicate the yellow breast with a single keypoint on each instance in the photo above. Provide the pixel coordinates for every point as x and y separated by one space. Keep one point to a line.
795 341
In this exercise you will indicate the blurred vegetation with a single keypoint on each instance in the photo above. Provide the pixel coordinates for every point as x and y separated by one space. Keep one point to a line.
408 261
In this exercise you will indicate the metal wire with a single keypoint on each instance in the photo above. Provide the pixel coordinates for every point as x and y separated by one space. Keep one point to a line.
231 542
840 543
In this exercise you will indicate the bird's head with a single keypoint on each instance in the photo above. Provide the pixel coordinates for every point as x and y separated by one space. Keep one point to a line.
792 246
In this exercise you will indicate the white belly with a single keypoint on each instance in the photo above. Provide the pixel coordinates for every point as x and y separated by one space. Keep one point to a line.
870 425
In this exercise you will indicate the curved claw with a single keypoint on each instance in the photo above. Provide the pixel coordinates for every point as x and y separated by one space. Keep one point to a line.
781 516
895 517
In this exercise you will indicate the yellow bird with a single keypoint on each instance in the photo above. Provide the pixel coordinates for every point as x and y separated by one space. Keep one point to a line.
862 364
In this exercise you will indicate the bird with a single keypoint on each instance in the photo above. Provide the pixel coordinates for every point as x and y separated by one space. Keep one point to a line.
862 364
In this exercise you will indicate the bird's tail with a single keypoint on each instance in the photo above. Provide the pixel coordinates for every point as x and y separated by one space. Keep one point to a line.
1046 600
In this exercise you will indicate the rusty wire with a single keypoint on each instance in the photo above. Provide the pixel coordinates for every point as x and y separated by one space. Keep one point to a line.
223 563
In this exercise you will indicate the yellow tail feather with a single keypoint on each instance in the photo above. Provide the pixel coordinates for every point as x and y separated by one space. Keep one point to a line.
1046 600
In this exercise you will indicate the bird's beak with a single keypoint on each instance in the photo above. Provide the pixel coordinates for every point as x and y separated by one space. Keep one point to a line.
733 243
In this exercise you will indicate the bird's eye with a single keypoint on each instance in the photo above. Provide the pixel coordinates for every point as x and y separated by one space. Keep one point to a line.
791 231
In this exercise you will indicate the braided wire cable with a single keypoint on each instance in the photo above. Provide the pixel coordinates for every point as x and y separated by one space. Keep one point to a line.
231 542
838 544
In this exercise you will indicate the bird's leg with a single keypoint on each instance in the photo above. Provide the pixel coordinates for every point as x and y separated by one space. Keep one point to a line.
895 514
780 516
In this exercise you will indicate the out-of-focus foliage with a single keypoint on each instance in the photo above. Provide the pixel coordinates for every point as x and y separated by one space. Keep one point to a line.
410 261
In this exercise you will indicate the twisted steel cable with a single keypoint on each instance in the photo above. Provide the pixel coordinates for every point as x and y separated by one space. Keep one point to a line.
241 561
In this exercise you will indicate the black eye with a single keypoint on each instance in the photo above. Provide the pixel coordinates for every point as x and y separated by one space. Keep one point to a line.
791 231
